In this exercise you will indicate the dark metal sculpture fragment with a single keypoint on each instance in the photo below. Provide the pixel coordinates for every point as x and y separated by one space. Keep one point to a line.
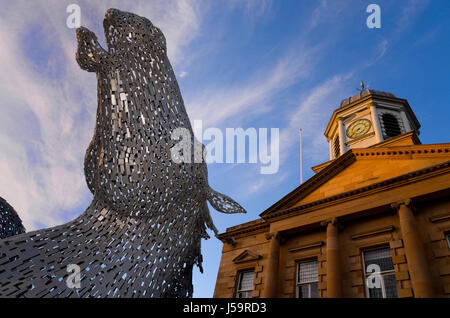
10 222
140 236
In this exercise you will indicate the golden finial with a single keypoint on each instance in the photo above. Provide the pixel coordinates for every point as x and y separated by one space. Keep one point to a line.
363 87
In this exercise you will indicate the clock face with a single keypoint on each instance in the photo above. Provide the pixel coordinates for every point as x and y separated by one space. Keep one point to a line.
358 128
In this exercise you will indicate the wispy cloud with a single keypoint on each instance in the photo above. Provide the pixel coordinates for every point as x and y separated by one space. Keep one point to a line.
251 96
253 9
410 12
312 114
259 94
428 37
48 106
47 117
260 183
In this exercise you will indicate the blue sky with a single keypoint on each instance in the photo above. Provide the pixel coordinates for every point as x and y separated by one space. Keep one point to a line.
240 63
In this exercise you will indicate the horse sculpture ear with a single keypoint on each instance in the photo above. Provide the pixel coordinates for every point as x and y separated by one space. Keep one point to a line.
89 54
224 203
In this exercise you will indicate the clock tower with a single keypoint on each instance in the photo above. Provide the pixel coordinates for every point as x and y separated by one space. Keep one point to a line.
383 200
369 118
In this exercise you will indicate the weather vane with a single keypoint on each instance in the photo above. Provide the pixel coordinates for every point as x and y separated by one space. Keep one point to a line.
363 87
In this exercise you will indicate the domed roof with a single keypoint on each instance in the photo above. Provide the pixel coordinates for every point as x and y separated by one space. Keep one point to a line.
363 94
10 222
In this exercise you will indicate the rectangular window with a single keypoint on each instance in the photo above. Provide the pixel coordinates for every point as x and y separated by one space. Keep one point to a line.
245 284
379 273
308 279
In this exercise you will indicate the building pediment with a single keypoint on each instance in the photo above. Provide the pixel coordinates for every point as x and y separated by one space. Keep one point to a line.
246 256
359 168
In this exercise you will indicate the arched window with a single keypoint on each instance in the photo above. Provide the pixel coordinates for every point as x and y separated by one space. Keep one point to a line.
391 126
336 147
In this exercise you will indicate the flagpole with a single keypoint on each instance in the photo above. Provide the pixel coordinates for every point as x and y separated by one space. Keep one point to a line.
301 158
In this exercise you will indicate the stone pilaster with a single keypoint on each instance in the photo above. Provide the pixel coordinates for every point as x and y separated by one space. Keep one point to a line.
376 123
334 279
419 270
342 136
271 275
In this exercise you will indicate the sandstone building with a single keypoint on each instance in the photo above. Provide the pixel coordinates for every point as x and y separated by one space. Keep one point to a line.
374 221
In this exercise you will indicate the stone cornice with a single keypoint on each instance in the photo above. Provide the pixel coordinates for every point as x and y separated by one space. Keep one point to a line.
251 228
314 182
383 230
394 140
440 218
384 185
337 165
306 247
385 149
414 176
424 151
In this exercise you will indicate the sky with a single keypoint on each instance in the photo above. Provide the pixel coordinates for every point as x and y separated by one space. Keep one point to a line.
239 63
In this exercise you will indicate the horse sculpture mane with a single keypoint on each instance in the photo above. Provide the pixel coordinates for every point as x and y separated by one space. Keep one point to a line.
141 234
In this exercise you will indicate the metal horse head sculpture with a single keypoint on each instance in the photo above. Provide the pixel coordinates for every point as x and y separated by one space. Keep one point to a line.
141 234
